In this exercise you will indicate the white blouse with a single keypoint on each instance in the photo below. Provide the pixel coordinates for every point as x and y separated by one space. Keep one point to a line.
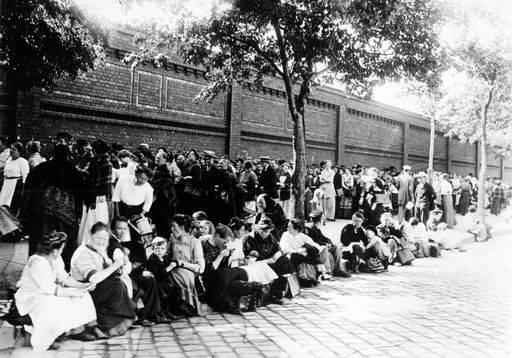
445 187
127 192
290 243
16 168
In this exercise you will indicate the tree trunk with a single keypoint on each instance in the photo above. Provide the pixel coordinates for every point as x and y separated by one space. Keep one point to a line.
430 170
483 158
299 173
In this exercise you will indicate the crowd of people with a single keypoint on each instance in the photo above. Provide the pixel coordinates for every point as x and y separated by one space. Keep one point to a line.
120 238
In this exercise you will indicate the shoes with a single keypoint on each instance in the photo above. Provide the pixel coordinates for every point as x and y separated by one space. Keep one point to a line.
324 277
340 273
276 301
54 346
158 319
84 337
144 323
98 333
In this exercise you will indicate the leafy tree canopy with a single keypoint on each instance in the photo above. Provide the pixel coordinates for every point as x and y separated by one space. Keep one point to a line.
42 41
356 42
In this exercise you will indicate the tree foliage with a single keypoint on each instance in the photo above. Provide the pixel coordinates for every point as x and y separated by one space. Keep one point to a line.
358 43
42 41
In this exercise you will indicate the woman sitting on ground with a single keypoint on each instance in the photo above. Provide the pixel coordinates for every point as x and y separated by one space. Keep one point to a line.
262 245
376 249
55 302
447 238
354 240
473 225
186 253
258 271
300 248
416 233
392 236
224 284
335 253
268 208
206 230
90 264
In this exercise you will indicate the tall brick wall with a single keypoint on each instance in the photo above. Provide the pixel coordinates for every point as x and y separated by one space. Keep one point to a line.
156 105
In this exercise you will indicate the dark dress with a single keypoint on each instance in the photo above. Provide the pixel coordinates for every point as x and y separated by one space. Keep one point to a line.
275 213
349 235
191 196
223 284
52 201
465 198
164 205
267 248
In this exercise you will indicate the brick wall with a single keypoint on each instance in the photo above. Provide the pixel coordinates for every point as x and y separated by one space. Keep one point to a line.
156 105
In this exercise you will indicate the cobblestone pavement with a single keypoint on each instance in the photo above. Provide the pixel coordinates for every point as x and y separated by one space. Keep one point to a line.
455 306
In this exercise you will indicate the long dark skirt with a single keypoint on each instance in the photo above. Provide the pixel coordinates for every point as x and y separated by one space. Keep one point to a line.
464 202
224 286
282 266
114 309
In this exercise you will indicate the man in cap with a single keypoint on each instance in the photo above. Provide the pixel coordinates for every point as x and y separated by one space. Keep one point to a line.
405 186
424 197
268 178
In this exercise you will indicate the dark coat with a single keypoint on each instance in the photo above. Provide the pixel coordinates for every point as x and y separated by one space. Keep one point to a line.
268 182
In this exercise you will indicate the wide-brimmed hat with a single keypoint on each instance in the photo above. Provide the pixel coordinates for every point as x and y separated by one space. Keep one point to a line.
406 167
210 154
421 175
265 159
315 214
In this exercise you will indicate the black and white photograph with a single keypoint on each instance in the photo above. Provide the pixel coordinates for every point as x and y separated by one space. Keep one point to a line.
255 178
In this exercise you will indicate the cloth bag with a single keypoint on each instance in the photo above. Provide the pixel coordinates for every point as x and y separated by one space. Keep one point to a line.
292 285
307 275
405 256
375 265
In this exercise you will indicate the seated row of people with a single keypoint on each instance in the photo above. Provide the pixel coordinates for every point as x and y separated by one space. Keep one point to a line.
115 283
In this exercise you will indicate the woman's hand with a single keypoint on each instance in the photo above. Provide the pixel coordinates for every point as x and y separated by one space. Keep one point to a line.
76 292
225 253
302 251
171 266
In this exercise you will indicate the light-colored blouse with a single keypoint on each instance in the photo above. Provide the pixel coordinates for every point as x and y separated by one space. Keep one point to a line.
290 243
86 262
188 249
40 277
16 168
446 187
327 177
127 192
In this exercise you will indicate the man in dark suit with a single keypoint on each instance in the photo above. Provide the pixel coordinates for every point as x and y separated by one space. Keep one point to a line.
210 180
268 178
405 186
424 197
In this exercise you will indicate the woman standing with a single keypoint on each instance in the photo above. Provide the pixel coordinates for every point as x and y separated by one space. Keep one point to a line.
329 198
53 194
436 184
55 302
33 149
446 191
249 183
133 195
187 253
465 196
347 182
15 174
285 190
497 197
192 183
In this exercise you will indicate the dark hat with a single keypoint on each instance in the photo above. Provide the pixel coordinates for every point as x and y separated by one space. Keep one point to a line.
265 159
210 154
100 146
372 228
281 161
64 135
266 224
437 211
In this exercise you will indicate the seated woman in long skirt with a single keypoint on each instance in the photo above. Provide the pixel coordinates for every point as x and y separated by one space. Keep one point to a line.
300 248
391 235
90 263
224 284
186 253
354 240
473 225
55 302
